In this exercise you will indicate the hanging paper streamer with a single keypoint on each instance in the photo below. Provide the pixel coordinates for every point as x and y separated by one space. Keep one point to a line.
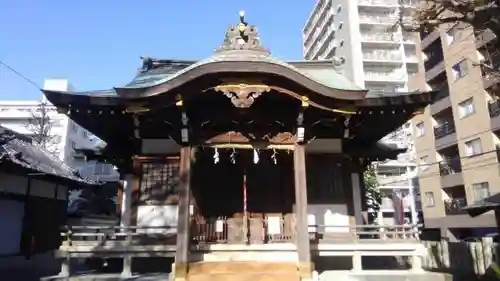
273 157
233 156
255 156
216 156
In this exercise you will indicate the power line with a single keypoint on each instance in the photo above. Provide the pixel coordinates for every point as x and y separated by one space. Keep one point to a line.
20 75
430 175
422 176
450 143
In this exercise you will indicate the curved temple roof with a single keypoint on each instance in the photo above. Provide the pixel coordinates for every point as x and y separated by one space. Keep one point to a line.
240 52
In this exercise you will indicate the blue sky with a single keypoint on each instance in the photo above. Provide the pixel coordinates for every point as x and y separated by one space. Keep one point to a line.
97 44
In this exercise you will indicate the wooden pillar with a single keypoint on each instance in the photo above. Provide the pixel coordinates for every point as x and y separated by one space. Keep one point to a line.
126 201
303 247
126 209
356 198
182 253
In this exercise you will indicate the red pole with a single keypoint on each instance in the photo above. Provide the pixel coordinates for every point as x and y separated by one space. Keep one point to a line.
245 194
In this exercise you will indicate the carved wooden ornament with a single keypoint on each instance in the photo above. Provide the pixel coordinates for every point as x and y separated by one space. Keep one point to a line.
242 95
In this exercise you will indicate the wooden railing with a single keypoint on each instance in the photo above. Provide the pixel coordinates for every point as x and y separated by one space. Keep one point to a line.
281 229
135 242
242 230
329 233
133 235
225 231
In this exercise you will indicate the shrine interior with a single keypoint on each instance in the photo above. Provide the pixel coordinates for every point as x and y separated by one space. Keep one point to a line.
220 177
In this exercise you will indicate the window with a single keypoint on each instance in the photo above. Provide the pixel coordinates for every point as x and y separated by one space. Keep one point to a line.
429 199
339 8
473 147
481 190
420 128
460 69
466 107
340 25
341 44
73 144
85 134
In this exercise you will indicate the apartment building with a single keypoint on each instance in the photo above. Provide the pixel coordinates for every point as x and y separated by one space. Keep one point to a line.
65 135
377 57
398 179
457 137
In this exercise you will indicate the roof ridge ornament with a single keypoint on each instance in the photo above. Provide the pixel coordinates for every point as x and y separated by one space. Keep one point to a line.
242 37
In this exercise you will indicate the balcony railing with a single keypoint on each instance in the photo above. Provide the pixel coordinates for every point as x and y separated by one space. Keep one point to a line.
379 19
454 206
378 2
384 76
450 167
444 129
377 37
494 108
388 204
383 56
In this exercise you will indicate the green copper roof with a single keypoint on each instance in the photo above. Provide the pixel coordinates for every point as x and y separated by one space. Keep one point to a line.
320 71
325 72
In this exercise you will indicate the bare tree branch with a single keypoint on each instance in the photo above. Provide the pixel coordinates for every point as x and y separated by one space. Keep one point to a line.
40 124
428 15
480 15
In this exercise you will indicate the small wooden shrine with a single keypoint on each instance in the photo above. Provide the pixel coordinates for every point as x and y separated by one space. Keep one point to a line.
256 147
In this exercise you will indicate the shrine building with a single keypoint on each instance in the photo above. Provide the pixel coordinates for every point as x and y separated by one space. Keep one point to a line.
242 148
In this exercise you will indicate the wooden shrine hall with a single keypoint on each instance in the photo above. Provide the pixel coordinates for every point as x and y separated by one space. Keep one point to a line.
242 148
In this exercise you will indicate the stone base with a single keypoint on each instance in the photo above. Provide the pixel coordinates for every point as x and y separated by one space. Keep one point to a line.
244 271
305 270
179 272
384 275
241 256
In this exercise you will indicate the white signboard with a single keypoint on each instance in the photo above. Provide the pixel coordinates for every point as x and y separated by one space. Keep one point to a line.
335 222
159 219
311 222
273 225
219 226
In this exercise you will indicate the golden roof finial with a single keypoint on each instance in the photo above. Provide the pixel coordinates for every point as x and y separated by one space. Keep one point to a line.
243 24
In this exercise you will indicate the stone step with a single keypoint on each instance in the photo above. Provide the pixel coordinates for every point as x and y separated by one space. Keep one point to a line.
244 277
242 267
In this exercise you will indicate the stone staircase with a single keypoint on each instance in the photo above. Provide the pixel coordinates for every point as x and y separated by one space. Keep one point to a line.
243 271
